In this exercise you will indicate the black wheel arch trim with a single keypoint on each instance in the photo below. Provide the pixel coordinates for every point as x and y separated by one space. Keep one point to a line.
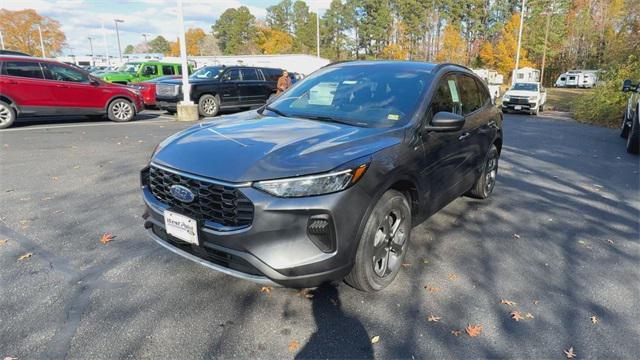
120 96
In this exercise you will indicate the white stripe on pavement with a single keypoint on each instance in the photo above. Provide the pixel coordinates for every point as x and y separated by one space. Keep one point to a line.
53 126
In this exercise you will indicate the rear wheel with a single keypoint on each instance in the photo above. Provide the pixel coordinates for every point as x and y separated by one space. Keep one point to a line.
383 244
120 110
483 187
633 141
7 115
208 105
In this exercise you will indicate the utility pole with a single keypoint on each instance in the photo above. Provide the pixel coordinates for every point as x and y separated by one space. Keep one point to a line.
93 61
118 37
546 37
513 80
41 41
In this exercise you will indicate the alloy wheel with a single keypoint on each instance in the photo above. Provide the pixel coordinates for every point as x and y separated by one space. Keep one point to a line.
5 114
122 110
209 106
491 171
388 244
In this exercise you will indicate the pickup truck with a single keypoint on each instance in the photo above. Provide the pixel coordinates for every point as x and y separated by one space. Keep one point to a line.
525 96
134 72
630 128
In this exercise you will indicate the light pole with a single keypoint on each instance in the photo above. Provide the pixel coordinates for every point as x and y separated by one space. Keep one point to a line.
146 47
118 37
1 40
546 37
41 41
106 45
93 61
187 110
515 72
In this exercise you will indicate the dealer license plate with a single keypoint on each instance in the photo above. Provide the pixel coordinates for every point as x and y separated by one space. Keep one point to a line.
518 107
182 227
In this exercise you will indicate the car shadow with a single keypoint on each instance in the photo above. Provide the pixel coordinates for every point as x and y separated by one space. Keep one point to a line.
338 335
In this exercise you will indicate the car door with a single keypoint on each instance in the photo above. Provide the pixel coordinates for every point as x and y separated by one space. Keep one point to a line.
24 83
73 91
253 89
229 93
148 72
440 166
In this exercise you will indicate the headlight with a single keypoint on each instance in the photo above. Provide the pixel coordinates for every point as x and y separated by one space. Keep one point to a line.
533 98
312 185
505 98
134 90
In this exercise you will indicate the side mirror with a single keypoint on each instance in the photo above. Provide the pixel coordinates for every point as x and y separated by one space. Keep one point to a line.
94 82
626 85
445 122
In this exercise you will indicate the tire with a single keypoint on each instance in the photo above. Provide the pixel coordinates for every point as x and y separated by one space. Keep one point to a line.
483 187
171 112
633 140
534 112
624 129
7 115
208 105
541 108
121 110
383 244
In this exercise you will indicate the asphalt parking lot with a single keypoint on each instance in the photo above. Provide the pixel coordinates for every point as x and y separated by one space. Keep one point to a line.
559 237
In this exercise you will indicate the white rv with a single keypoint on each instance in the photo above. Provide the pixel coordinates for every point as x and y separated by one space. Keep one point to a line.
493 80
525 74
578 79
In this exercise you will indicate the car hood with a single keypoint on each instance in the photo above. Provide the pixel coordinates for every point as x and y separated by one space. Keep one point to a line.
249 147
114 75
521 93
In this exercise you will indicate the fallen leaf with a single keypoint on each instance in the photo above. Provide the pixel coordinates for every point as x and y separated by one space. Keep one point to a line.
375 339
610 241
25 256
536 302
473 330
77 167
452 277
529 316
293 346
305 293
405 265
433 318
3 241
266 290
594 319
508 302
54 178
516 236
105 238
456 332
570 353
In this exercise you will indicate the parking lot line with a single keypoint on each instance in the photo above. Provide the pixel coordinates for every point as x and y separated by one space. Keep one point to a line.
54 126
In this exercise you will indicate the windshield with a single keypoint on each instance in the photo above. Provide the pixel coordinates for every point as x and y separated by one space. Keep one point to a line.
209 72
525 87
363 95
130 67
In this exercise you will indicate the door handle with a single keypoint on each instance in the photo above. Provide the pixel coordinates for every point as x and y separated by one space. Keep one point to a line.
464 136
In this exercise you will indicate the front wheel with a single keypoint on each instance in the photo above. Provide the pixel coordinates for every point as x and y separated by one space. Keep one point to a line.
208 105
633 140
7 115
483 187
383 244
624 129
120 110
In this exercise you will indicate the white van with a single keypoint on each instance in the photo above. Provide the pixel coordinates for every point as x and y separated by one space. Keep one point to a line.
562 81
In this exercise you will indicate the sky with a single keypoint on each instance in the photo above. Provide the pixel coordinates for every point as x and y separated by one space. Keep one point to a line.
81 19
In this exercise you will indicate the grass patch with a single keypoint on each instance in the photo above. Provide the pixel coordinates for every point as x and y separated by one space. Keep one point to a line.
561 99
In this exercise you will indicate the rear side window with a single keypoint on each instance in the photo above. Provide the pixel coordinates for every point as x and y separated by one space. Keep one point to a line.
485 97
25 69
232 75
469 94
272 74
446 97
167 70
249 75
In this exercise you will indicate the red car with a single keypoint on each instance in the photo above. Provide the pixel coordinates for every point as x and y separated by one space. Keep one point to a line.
148 89
32 86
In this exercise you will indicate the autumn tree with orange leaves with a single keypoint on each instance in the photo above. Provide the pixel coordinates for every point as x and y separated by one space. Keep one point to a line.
195 37
20 32
453 46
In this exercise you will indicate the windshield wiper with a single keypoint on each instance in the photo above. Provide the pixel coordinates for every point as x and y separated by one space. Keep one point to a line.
274 110
324 118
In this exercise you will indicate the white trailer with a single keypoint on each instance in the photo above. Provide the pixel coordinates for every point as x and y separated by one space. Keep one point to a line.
493 80
525 74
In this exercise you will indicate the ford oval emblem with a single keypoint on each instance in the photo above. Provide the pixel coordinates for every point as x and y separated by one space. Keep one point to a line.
182 193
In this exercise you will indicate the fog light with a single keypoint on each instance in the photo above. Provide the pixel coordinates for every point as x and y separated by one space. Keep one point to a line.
320 231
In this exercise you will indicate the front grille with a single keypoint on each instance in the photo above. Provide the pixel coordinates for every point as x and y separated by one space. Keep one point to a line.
168 90
519 100
224 205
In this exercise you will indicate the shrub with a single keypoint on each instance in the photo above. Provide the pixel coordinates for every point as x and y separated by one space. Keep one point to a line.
605 105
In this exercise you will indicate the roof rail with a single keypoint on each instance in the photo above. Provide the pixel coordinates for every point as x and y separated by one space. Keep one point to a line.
441 65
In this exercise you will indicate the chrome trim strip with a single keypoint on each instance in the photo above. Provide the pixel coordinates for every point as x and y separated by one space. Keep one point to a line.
202 178
255 278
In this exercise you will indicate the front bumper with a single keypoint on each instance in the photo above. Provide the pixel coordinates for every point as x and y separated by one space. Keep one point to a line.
519 106
164 103
276 247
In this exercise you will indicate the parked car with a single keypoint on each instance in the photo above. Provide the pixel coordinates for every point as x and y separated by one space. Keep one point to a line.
219 87
525 96
32 86
328 179
630 128
135 72
148 89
